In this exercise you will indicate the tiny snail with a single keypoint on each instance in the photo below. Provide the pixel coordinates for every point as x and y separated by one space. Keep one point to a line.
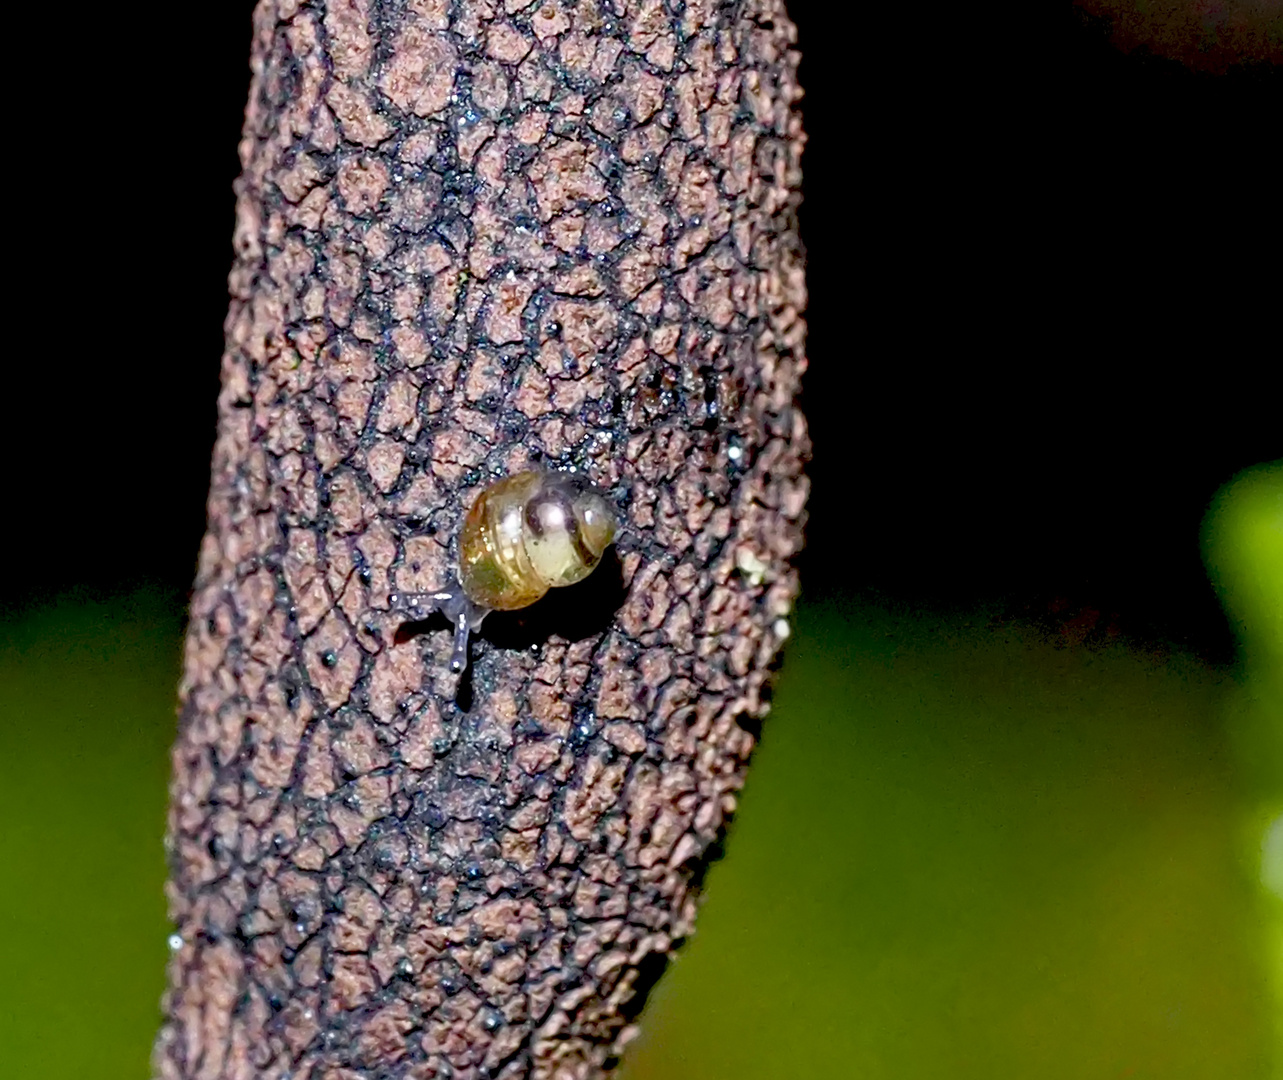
527 533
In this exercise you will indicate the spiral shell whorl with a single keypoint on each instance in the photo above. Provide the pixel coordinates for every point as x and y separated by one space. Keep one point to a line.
531 532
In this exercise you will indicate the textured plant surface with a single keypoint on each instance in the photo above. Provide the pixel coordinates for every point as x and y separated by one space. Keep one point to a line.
471 236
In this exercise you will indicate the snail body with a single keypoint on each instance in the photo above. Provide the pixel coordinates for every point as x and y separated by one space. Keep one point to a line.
525 534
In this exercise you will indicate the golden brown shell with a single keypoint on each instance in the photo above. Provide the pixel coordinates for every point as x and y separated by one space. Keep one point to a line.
530 532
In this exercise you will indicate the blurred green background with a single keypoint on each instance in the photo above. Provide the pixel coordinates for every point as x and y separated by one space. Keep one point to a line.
87 693
971 846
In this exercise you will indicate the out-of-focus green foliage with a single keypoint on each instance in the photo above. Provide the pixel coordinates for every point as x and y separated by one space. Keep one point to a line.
86 718
971 851
1243 548
965 850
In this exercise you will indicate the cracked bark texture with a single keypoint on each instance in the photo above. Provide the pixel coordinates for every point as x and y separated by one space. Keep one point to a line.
474 235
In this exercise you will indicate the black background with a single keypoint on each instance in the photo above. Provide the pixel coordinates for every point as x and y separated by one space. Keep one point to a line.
1041 297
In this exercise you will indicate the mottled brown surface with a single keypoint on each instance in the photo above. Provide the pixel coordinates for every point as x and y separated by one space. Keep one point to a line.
473 235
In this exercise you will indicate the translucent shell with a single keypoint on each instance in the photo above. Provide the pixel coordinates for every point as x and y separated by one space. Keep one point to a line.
531 532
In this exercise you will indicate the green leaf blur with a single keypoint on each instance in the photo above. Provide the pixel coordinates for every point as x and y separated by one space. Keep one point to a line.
87 693
970 851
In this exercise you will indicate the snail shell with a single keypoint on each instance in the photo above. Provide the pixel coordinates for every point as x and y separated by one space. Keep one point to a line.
529 533
525 534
